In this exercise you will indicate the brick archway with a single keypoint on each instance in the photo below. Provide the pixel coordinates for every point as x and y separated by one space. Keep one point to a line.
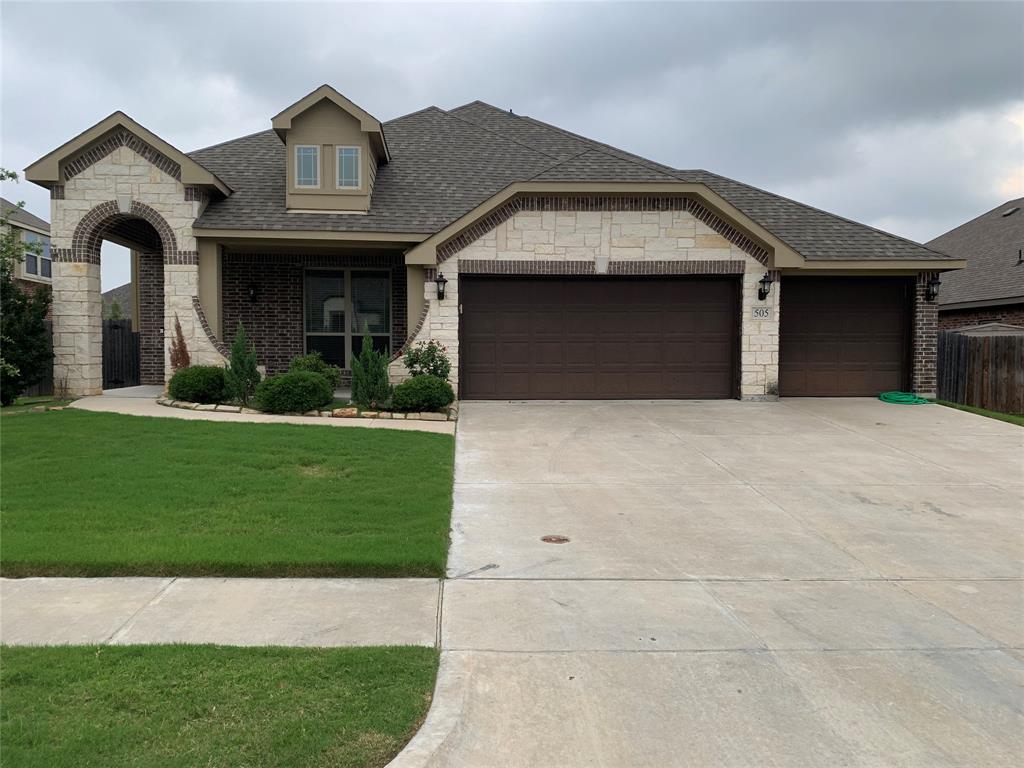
155 245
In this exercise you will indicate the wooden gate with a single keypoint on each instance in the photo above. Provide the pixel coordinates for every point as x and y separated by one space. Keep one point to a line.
120 354
982 371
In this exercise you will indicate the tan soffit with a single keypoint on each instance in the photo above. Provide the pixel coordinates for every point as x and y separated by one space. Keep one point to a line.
46 170
310 234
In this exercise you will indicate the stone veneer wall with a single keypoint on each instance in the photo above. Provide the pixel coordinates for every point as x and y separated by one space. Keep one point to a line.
275 321
112 182
612 242
951 319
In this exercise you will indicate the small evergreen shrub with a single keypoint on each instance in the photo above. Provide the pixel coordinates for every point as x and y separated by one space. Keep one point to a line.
423 393
371 386
294 392
241 374
428 358
198 384
315 363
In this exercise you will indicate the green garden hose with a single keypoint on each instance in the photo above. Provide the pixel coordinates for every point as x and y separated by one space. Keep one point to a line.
902 398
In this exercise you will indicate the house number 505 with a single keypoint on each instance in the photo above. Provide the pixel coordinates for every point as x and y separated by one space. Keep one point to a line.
762 313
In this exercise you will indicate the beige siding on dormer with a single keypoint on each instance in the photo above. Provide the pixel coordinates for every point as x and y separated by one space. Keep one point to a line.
328 126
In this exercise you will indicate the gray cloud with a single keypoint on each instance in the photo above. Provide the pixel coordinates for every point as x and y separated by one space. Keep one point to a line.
898 115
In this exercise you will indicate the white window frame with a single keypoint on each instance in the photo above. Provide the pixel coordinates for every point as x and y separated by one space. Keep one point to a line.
298 185
45 254
337 167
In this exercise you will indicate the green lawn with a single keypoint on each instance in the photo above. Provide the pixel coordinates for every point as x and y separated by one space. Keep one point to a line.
1007 417
211 706
94 494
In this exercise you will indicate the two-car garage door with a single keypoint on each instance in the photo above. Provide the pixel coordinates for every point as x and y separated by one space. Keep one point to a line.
593 337
598 337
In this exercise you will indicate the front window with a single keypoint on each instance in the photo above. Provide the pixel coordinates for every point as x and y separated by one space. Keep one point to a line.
339 305
38 261
307 166
348 167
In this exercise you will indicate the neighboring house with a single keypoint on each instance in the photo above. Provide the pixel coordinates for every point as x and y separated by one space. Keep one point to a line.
124 297
548 264
991 288
37 268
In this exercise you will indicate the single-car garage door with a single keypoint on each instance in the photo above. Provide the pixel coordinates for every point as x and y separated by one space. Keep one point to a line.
598 337
844 336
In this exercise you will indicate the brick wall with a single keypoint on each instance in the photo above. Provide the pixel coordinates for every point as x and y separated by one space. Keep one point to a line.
950 320
926 326
274 321
151 318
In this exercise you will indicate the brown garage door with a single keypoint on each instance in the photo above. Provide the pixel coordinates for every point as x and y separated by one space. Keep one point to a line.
844 337
598 337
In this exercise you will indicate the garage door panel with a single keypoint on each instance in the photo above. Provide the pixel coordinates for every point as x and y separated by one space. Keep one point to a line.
844 336
598 337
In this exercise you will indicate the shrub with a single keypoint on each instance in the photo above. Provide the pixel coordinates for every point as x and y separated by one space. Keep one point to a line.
198 384
371 387
294 392
180 358
428 358
423 393
315 363
241 374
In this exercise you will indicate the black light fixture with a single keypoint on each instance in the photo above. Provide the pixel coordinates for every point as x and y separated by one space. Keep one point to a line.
764 286
440 281
254 293
931 290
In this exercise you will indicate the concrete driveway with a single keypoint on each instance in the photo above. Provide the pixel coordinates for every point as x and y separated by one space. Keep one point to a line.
803 583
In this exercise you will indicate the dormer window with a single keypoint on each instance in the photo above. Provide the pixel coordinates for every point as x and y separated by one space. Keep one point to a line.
348 167
307 166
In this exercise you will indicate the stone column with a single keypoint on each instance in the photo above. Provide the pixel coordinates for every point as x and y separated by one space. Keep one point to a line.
77 328
759 338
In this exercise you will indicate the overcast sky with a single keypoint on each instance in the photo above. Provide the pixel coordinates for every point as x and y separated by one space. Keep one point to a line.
909 117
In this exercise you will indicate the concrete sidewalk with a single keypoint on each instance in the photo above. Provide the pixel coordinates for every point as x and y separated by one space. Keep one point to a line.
144 406
248 612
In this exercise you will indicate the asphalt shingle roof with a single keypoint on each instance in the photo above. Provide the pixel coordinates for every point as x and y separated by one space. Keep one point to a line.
444 163
991 243
17 215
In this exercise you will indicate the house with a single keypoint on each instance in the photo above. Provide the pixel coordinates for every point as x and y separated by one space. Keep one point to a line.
991 288
550 265
37 268
123 296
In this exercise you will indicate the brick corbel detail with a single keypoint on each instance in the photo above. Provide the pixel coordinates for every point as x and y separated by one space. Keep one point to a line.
926 326
120 138
642 203
654 267
424 314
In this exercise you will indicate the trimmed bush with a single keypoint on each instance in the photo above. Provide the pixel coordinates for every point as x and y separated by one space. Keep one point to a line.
428 358
423 393
294 392
198 384
371 385
314 362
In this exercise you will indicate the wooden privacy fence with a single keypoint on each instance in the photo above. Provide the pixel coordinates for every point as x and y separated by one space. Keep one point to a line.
983 371
120 354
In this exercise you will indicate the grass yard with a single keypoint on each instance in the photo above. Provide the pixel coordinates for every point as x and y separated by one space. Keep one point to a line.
169 706
1007 417
96 494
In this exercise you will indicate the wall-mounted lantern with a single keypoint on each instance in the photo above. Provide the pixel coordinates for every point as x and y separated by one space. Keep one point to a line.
931 290
440 281
764 286
254 293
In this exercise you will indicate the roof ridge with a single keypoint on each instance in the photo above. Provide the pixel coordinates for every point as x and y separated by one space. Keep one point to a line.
432 107
229 141
501 135
1016 201
829 213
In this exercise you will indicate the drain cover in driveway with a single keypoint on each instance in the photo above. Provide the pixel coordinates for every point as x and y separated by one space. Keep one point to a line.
555 539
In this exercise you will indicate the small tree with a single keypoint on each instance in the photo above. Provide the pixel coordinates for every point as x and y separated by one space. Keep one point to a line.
370 385
114 311
180 357
241 374
25 343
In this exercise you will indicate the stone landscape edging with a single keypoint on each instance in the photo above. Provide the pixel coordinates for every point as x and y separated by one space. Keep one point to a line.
452 413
